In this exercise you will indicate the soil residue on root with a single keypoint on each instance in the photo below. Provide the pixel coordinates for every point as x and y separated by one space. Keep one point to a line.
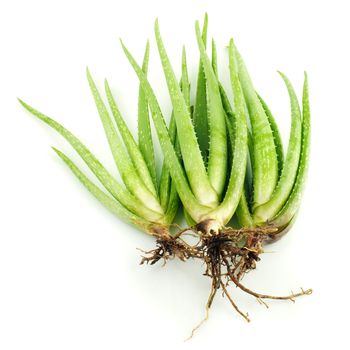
170 247
227 254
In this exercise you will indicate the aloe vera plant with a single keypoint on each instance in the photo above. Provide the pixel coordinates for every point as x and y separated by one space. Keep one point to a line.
220 160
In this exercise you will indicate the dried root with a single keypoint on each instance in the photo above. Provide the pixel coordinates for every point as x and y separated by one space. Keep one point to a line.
170 247
227 254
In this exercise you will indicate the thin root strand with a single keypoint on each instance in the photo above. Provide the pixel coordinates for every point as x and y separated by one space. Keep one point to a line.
206 317
245 316
265 296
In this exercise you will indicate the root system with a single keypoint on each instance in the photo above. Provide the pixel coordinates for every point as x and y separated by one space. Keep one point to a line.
227 255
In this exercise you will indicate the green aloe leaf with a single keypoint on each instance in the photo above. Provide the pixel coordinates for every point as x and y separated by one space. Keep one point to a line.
193 162
276 135
168 189
125 166
265 163
200 118
144 127
112 204
165 177
285 184
185 84
178 175
214 58
240 150
217 159
242 213
292 205
106 179
174 200
131 146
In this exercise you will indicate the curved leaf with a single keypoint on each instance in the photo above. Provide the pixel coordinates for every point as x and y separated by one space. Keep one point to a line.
144 127
265 162
121 158
191 155
285 184
106 179
292 205
217 159
113 205
190 202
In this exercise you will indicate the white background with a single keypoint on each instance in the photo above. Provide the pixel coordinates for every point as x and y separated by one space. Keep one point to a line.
69 273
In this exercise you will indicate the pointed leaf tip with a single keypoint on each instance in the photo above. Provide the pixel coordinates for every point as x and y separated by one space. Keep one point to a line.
183 53
281 74
156 24
26 106
57 151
